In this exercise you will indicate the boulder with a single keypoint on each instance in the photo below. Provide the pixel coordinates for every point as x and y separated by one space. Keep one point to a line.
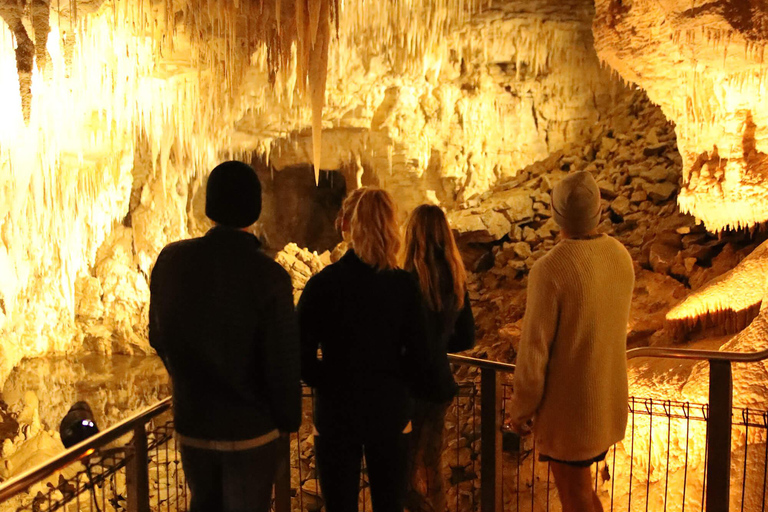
621 205
656 173
660 192
522 250
638 196
662 256
607 189
656 150
549 229
494 217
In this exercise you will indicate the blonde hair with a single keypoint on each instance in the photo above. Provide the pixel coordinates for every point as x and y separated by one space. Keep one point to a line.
429 243
348 209
374 229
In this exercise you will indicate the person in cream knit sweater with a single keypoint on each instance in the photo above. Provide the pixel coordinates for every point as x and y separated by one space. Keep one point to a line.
570 384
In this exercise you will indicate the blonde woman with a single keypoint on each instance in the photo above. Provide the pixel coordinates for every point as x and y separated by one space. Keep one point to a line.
367 318
344 218
432 256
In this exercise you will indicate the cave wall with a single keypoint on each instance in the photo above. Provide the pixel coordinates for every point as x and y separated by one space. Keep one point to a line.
520 81
703 63
105 143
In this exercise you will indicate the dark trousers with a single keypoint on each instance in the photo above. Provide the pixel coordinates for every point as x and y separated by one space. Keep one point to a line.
238 481
426 486
338 466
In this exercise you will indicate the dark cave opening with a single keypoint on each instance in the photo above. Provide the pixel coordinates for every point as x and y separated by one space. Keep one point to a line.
295 209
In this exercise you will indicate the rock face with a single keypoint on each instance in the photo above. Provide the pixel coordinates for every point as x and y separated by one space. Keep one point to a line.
96 178
702 62
301 264
474 111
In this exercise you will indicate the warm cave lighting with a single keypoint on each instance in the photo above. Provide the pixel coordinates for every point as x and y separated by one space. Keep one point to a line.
732 301
165 76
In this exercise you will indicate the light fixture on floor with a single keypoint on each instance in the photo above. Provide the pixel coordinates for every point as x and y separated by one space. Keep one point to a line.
78 425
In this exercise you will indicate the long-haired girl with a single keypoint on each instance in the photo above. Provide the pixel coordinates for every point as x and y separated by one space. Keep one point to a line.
432 256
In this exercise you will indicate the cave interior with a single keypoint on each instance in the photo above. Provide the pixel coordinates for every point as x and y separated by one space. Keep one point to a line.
114 111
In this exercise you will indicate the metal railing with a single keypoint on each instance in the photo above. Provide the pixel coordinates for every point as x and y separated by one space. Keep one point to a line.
720 421
121 468
135 465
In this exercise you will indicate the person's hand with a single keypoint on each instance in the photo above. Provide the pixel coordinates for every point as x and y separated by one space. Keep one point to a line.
522 428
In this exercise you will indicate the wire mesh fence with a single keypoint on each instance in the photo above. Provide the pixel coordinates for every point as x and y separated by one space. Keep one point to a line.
660 466
98 482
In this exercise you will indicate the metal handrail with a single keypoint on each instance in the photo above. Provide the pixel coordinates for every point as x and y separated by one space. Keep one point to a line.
655 352
482 363
81 450
702 355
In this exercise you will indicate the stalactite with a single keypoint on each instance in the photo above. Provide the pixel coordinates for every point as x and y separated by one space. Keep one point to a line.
318 74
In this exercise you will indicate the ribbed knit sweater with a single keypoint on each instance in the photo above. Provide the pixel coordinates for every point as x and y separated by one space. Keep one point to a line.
571 375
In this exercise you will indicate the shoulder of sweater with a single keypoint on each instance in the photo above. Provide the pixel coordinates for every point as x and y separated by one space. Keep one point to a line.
272 267
328 277
544 268
620 250
548 265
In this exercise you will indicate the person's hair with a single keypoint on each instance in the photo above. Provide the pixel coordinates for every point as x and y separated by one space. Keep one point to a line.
374 229
348 209
429 243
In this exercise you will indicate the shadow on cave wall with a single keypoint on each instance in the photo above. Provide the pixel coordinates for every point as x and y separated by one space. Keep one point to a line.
296 210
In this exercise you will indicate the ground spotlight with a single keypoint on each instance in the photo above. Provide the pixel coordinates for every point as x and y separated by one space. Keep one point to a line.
78 425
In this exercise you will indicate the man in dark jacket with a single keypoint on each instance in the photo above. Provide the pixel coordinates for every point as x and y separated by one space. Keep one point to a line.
222 319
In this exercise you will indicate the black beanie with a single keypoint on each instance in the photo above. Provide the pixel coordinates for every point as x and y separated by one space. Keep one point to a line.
233 195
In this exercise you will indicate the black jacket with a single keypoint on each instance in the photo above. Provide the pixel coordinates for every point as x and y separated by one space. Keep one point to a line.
222 319
370 326
450 330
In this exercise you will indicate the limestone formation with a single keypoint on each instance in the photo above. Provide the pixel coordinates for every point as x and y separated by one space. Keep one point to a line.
702 62
735 297
139 100
301 264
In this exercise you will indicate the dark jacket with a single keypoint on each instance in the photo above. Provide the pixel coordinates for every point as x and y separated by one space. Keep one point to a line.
370 326
222 319
450 330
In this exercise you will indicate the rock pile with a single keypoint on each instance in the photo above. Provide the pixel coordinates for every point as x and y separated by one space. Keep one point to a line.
301 264
634 158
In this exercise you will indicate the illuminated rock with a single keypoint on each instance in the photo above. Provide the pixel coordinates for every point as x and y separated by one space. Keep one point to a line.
114 111
703 64
734 298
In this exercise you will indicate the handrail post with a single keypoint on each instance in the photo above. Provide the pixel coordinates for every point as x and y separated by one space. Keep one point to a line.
490 438
283 477
719 436
137 472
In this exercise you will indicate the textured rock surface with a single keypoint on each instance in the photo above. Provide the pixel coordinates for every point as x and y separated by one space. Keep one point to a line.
95 178
702 62
39 392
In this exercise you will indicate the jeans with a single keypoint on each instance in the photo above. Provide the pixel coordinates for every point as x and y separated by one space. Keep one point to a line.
236 481
426 486
338 465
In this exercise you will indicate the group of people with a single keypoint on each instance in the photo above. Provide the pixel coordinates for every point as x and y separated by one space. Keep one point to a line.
370 335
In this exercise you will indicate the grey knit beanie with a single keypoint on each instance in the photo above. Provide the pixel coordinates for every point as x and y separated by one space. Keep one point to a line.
576 203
